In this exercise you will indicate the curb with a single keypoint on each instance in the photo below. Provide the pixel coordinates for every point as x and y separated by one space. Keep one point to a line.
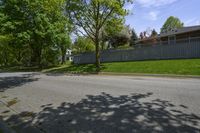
127 74
149 75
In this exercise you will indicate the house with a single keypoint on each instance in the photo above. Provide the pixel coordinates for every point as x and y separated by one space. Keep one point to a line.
174 36
69 55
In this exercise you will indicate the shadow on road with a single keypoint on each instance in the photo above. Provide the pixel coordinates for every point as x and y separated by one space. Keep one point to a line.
74 70
108 114
15 81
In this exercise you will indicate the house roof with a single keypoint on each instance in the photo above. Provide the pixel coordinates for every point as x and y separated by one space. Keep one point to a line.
173 32
180 31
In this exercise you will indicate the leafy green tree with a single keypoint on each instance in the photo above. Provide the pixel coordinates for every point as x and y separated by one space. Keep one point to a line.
5 53
90 16
35 26
64 43
62 30
83 44
107 32
120 38
171 23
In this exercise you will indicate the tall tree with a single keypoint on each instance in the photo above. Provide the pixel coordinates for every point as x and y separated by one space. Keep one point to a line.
134 37
83 44
5 54
154 33
171 23
90 16
120 38
108 32
34 25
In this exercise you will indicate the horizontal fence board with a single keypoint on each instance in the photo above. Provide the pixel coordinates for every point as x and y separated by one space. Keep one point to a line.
183 49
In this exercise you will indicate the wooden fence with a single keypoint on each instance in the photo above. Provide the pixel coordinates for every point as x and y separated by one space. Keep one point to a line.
182 49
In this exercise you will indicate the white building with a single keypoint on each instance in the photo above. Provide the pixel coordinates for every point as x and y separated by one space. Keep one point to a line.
69 55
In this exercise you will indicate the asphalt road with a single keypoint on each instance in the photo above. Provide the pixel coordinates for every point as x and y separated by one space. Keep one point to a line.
53 103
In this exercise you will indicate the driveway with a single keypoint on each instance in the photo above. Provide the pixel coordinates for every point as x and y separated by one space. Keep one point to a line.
56 103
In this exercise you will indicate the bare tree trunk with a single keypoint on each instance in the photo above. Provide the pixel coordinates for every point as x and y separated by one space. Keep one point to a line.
97 54
63 58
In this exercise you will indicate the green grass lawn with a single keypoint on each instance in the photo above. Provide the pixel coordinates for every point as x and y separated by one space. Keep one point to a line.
178 67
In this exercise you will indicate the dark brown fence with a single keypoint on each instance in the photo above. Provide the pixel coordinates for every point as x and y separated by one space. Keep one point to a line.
182 49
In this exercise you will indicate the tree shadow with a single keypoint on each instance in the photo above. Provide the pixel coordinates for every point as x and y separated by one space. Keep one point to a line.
15 81
109 114
77 69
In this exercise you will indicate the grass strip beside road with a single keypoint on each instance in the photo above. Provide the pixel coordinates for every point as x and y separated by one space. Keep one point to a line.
174 67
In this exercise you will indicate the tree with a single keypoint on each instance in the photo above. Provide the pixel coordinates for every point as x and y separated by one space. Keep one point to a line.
154 33
171 23
5 54
35 26
142 35
83 44
134 37
108 33
120 38
90 16
64 44
61 37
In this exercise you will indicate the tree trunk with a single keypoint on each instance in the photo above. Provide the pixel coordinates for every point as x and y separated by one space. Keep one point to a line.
39 58
63 53
97 54
36 57
63 58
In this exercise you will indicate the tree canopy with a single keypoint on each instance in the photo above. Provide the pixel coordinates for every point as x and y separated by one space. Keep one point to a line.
37 27
154 33
134 37
38 32
90 16
120 38
83 44
171 23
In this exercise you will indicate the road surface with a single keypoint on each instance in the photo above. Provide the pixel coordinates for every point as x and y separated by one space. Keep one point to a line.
57 103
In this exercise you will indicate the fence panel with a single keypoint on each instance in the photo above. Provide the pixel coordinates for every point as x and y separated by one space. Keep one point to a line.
183 49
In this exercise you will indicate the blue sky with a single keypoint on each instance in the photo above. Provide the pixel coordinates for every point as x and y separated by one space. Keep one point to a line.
153 13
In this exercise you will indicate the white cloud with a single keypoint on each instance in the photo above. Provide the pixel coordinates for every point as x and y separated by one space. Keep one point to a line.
152 15
154 3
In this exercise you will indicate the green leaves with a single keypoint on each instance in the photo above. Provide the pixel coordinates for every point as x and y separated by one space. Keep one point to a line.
36 25
83 44
90 17
171 23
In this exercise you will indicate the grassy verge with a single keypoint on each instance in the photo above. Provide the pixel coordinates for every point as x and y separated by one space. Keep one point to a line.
69 68
177 67
180 67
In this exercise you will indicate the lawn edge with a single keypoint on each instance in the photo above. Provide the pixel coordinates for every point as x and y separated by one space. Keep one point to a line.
122 74
149 75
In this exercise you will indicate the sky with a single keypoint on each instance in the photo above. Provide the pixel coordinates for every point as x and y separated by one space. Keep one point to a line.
145 14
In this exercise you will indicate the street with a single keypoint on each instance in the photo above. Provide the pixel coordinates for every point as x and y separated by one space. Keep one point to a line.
58 103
